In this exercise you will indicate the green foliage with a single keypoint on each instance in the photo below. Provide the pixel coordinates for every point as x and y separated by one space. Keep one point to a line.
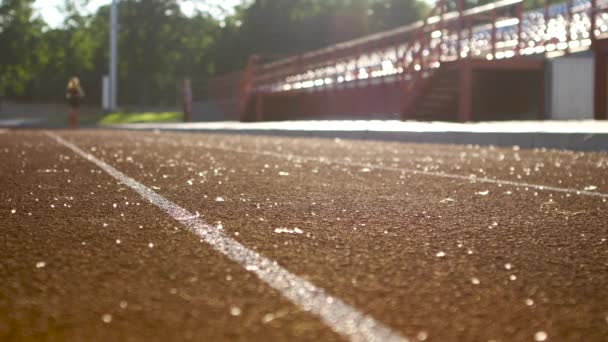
388 14
21 45
124 118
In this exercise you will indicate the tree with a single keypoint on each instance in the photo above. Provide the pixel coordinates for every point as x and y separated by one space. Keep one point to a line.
20 43
388 14
158 46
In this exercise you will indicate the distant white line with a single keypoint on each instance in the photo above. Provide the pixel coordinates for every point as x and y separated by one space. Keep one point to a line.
339 316
416 172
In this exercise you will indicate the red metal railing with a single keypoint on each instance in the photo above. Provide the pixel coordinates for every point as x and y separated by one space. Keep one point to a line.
399 60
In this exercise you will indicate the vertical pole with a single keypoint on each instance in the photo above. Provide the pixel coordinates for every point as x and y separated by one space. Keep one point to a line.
298 95
368 83
334 94
493 33
569 25
546 15
400 60
397 80
593 24
113 55
315 92
383 89
441 29
459 28
322 96
520 8
357 101
424 40
470 33
308 94
247 89
105 93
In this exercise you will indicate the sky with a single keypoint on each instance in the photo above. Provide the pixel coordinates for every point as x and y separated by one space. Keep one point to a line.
51 13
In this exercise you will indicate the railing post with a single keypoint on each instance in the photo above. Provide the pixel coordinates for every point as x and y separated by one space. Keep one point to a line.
367 82
493 33
385 98
300 67
422 42
546 17
593 24
520 9
293 70
298 92
470 33
314 90
357 68
441 29
401 61
425 40
357 81
335 83
459 27
247 86
274 77
329 92
569 25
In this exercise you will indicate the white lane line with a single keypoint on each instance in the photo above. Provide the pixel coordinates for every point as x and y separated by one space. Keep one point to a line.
339 316
414 172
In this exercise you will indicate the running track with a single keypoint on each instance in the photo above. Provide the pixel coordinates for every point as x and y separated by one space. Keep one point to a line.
110 235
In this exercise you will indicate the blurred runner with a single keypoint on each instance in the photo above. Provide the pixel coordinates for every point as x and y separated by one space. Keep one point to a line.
74 95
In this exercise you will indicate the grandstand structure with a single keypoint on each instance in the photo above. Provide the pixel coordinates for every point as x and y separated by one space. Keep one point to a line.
468 64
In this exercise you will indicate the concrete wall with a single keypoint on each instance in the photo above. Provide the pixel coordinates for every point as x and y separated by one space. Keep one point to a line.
571 87
500 95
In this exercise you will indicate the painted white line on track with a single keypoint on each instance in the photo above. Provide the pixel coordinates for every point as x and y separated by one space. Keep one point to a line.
415 172
339 316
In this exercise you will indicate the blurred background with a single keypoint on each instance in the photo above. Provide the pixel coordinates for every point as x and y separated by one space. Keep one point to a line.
45 42
163 42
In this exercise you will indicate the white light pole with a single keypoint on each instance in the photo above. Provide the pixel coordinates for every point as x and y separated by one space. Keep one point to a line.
113 56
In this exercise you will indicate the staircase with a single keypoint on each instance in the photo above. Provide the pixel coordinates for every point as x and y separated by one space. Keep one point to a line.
438 98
